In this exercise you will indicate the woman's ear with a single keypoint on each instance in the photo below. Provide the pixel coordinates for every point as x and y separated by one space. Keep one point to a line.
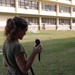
18 31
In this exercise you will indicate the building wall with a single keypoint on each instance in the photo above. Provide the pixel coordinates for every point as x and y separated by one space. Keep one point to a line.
3 18
43 14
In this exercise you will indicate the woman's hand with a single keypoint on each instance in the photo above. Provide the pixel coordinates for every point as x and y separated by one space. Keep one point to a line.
37 49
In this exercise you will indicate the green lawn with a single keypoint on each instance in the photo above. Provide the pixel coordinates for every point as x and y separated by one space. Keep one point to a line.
57 57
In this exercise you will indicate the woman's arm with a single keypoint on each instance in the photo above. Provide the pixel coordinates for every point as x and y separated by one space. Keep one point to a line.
24 64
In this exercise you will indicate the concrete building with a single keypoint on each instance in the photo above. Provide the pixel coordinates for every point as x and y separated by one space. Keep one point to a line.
40 14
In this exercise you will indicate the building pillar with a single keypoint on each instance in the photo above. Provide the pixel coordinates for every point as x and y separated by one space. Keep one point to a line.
57 13
71 1
40 20
71 11
16 6
57 10
39 11
39 6
71 27
71 16
57 23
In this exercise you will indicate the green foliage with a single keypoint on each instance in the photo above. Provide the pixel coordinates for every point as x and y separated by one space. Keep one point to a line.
57 57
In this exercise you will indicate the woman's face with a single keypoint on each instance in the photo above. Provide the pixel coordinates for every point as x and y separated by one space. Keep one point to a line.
21 33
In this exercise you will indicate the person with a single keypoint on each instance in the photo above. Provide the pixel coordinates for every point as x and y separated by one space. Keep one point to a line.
43 27
14 55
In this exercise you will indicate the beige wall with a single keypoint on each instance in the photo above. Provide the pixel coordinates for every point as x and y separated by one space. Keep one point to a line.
3 19
8 12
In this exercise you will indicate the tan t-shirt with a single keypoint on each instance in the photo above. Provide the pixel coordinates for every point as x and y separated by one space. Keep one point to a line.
10 51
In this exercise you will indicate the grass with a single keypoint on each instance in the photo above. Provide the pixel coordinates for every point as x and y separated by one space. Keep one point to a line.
57 57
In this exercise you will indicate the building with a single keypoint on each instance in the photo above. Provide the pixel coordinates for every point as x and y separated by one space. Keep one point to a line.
40 14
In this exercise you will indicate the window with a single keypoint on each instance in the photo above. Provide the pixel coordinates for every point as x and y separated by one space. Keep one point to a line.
27 4
64 21
10 3
0 2
73 21
22 3
3 2
33 20
49 21
64 9
73 9
48 7
43 6
19 3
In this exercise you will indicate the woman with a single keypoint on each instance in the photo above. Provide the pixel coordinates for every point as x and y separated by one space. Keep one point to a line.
13 52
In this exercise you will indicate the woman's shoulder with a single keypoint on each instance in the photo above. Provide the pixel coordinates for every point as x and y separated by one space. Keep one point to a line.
13 43
16 43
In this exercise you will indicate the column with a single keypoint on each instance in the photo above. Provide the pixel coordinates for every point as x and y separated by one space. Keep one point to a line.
39 10
40 20
39 6
71 11
57 25
57 10
71 27
16 6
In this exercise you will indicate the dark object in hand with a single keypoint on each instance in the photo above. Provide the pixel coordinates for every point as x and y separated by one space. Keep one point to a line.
37 41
